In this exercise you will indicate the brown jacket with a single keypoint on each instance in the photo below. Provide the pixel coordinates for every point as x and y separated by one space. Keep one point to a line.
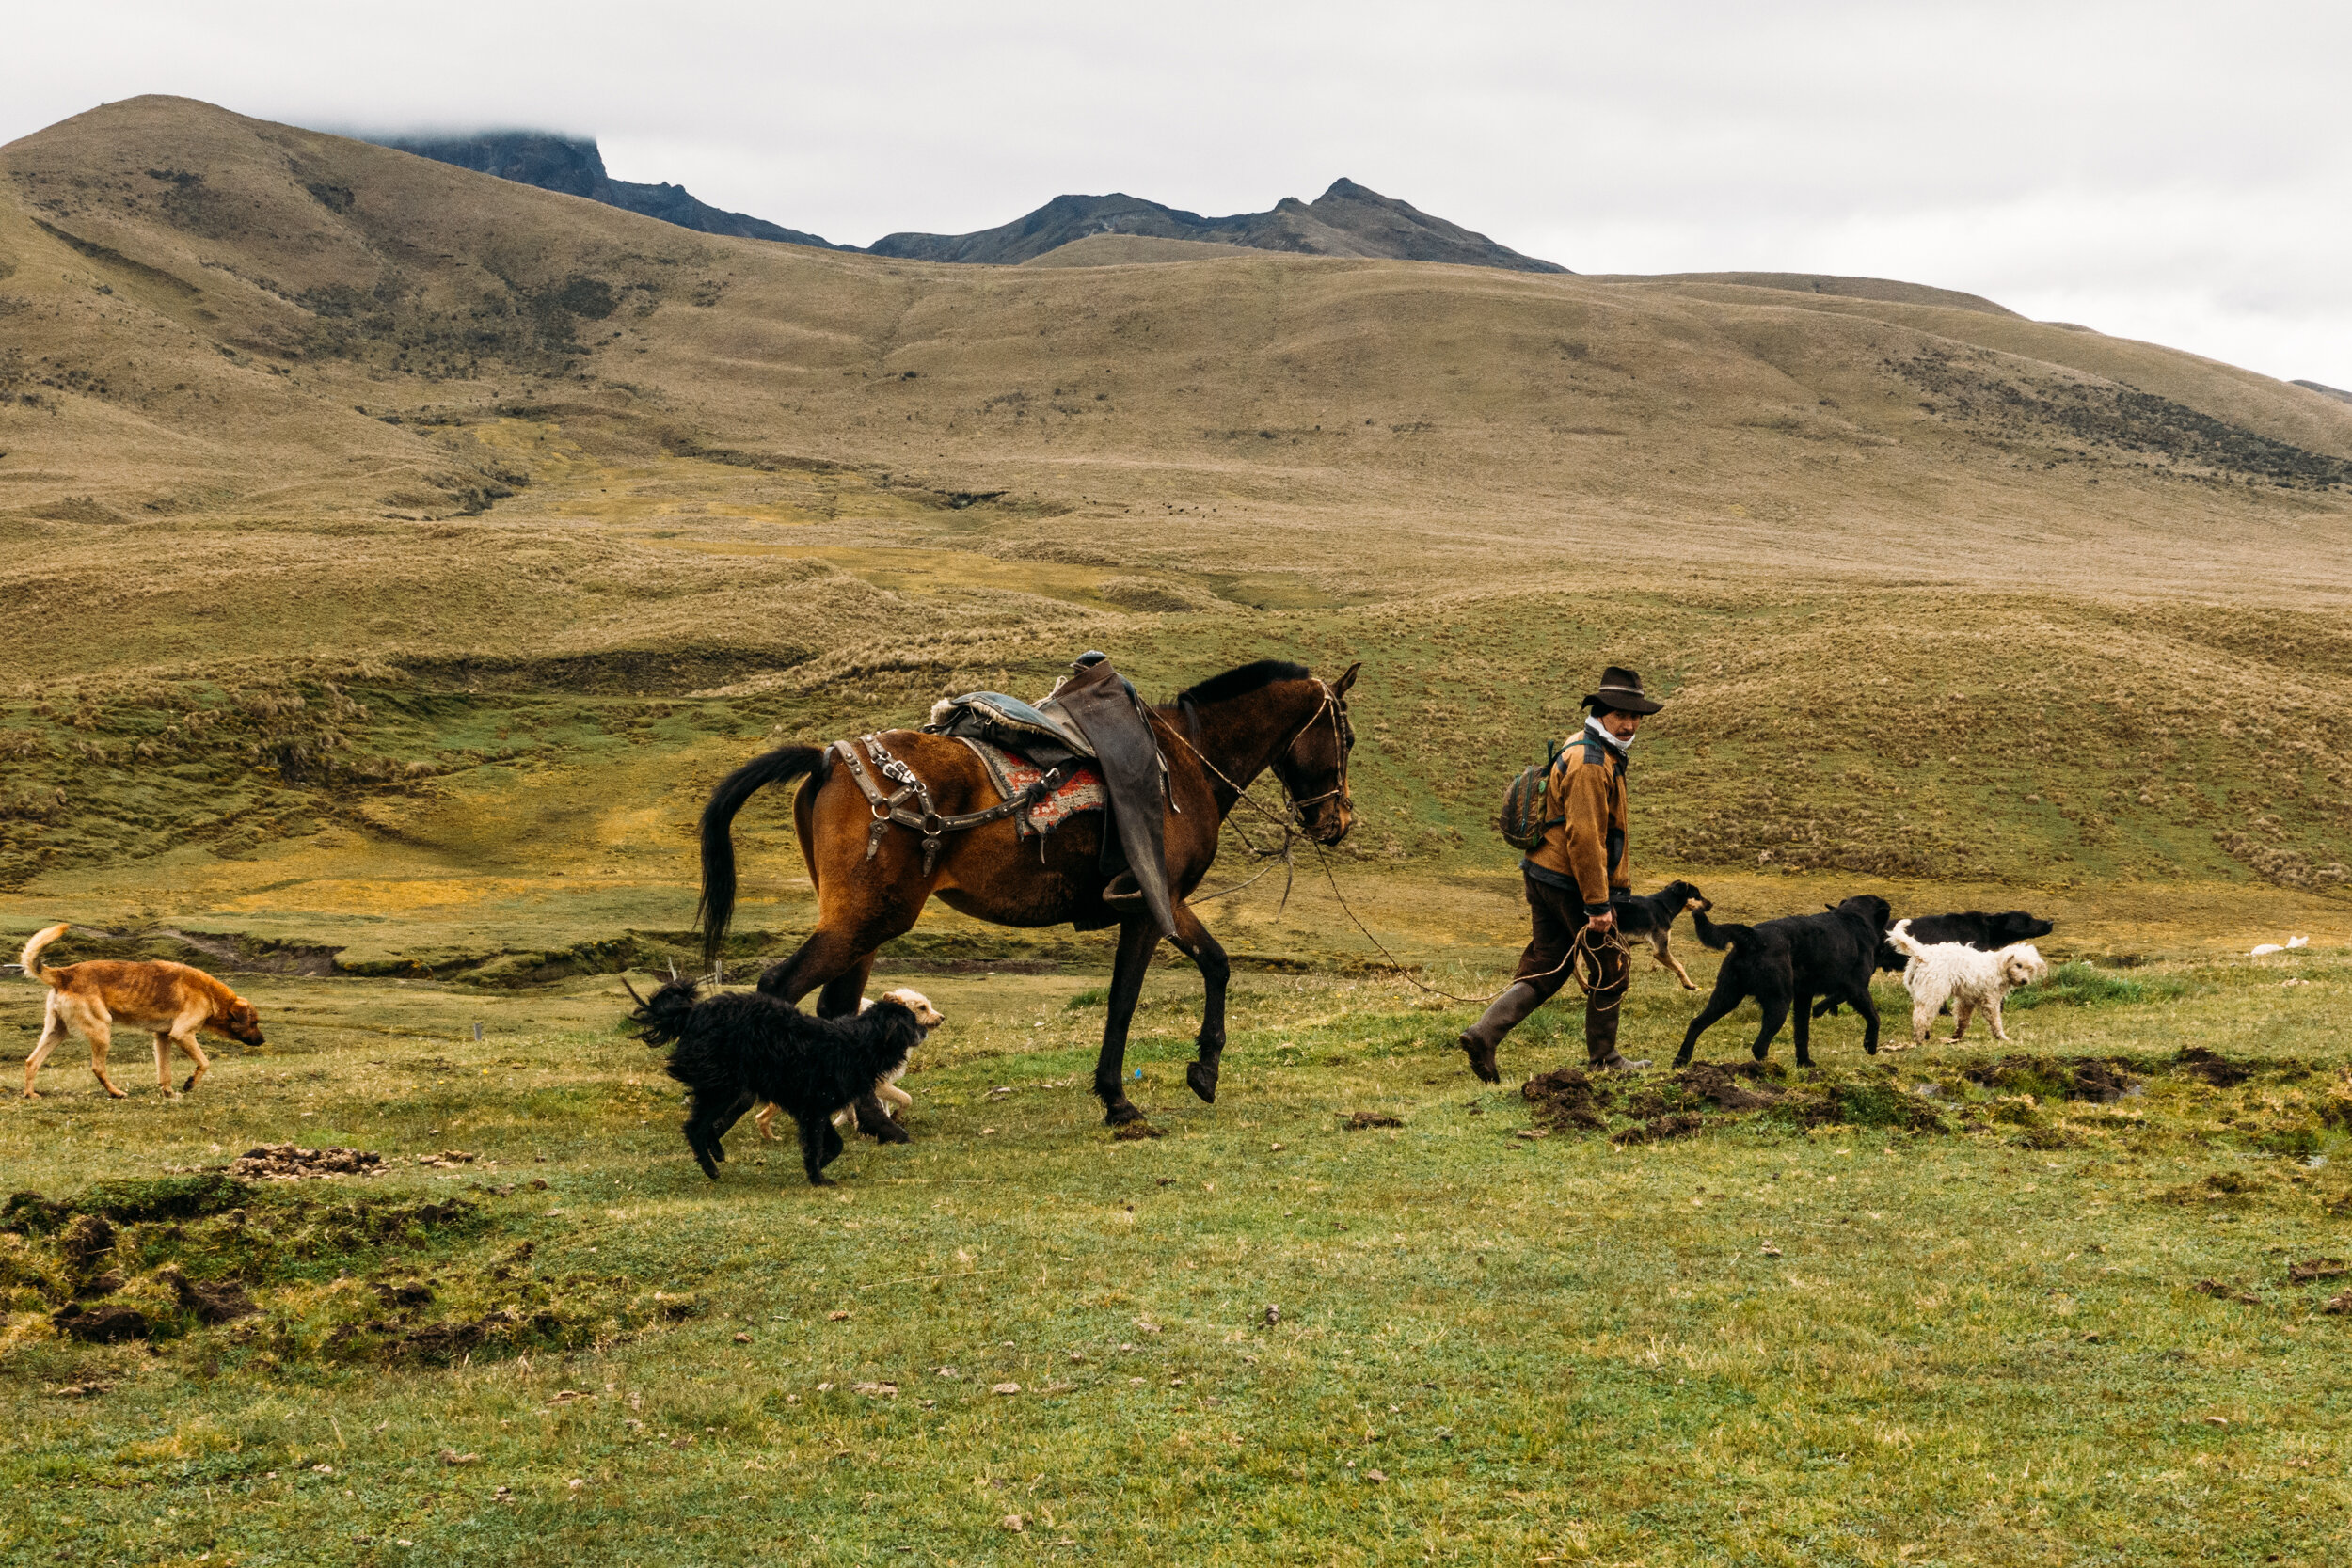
1588 845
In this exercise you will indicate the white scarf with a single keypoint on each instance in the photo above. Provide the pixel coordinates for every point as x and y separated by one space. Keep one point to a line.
1620 746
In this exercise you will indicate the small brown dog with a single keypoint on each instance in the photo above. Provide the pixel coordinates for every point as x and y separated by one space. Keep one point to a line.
172 1000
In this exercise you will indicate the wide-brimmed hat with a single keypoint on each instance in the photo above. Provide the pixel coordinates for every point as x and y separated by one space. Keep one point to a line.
1621 689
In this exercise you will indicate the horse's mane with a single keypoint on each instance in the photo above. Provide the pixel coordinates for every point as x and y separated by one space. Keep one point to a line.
1243 681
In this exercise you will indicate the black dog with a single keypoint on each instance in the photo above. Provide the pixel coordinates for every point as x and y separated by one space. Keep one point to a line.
1794 961
1652 915
741 1047
1988 933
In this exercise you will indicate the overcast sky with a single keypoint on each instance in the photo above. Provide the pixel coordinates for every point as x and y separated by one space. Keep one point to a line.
2176 172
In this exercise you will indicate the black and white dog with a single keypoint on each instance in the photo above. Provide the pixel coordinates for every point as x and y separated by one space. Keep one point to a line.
741 1047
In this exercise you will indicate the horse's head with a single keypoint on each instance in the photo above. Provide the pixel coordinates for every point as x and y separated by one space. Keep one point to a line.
1313 766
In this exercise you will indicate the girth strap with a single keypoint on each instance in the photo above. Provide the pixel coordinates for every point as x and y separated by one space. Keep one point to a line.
923 817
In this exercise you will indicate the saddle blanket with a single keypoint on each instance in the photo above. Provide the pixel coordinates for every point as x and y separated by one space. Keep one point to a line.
1080 790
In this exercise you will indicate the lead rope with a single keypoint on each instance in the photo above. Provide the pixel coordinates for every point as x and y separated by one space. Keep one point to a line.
1584 960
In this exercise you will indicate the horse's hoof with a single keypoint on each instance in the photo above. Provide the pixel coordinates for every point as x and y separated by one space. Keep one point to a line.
1119 1113
1204 1081
891 1133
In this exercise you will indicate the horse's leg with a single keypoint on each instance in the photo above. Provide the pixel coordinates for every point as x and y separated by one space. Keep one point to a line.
829 953
840 996
1203 950
1137 938
840 999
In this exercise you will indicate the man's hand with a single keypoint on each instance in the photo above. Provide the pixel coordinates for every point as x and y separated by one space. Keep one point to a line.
1600 925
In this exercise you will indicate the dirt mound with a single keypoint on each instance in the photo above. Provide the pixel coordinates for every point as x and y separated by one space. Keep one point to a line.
1723 1084
130 1202
1565 1098
1359 1121
86 1241
1873 1102
102 1324
2219 1071
2228 1188
1658 1129
2219 1292
216 1302
286 1163
2094 1078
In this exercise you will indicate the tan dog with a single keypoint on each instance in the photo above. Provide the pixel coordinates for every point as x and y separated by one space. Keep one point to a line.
172 1000
885 1087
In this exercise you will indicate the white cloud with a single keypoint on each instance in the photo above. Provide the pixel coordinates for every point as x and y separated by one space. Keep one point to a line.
2165 170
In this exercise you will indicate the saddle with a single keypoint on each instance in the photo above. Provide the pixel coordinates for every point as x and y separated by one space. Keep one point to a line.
1093 713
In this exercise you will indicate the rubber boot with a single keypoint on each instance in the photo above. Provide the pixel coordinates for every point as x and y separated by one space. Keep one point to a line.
1602 1008
1502 1015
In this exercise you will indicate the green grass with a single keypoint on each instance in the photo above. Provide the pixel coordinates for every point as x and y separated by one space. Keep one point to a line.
1846 1344
2083 985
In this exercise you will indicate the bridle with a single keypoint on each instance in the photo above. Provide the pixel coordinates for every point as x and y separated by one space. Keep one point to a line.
1334 707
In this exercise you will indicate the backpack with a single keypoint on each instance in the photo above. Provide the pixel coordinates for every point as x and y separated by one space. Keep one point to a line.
1522 822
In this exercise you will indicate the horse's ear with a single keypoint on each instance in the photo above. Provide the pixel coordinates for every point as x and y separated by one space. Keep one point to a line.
1339 688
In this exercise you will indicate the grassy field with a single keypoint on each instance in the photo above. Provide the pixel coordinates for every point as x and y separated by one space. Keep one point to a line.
1897 1316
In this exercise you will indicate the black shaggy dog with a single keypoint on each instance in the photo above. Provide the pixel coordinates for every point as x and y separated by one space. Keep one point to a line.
1987 933
1652 915
1793 960
737 1047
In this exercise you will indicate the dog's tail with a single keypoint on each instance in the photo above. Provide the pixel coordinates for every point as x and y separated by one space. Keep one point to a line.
661 1017
30 958
1900 939
1720 937
718 837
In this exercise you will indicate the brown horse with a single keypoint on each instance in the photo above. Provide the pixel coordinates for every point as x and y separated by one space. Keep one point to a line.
1217 736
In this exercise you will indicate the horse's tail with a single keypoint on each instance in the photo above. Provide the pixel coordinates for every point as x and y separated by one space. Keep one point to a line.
718 838
1720 937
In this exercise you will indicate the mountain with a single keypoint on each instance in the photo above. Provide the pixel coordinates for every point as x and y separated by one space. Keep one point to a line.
2326 391
1348 219
555 163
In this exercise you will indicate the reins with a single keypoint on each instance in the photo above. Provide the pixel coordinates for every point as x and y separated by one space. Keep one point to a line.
1583 962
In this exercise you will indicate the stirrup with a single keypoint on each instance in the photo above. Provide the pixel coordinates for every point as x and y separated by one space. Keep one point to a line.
1123 892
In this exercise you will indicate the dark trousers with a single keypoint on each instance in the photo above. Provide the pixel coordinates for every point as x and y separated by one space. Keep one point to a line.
1543 968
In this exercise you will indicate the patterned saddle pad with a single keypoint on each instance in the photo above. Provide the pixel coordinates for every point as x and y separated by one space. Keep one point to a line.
1080 790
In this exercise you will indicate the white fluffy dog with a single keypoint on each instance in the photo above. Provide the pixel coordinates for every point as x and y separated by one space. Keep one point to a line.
1968 978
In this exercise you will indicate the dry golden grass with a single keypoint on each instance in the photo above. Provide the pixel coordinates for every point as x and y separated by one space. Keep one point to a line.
211 299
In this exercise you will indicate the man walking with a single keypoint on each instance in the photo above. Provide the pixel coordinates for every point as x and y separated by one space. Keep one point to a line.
1572 877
